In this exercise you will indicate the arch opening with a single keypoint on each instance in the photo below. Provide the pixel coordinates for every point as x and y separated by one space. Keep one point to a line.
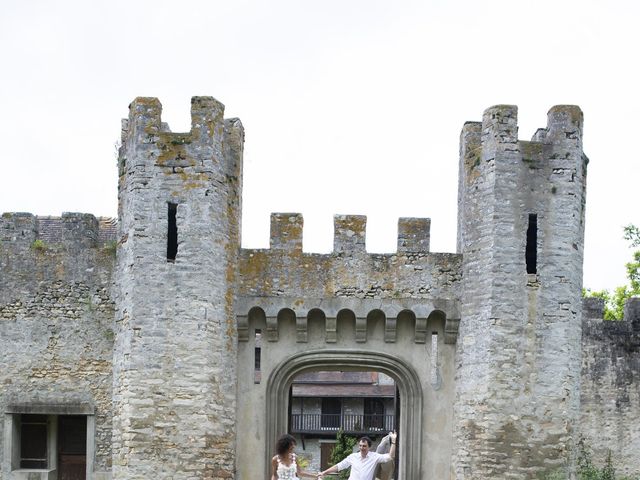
356 403
409 422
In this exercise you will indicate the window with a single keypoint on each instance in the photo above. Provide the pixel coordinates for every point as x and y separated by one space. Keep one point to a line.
434 359
33 441
331 410
373 414
257 374
43 440
172 233
531 252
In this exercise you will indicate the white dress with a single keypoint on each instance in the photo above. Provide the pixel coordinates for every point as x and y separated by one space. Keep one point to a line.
287 472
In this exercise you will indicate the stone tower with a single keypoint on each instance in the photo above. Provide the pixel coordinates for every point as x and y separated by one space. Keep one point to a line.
520 230
174 362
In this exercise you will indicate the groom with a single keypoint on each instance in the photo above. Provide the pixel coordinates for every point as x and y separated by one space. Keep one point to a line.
363 463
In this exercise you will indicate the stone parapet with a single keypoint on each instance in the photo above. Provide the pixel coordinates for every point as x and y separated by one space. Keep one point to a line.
350 271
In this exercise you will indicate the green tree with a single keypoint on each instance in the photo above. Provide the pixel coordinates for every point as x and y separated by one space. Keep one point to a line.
614 301
343 447
632 234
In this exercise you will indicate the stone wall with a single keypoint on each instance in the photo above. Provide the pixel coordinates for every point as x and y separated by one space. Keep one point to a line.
610 389
56 320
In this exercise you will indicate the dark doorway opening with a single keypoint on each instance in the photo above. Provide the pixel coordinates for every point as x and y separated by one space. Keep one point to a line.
331 409
72 447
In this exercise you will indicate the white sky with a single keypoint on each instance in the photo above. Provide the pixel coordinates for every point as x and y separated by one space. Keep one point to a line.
349 106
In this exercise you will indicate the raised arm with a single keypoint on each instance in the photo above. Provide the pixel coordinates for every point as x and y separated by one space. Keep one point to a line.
393 436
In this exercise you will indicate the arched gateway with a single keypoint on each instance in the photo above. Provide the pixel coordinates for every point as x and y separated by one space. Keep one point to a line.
410 424
405 340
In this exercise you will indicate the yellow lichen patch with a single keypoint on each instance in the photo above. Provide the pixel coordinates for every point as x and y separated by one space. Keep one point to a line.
194 185
173 147
255 265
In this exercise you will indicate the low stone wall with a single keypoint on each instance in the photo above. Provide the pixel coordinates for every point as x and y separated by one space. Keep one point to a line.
610 390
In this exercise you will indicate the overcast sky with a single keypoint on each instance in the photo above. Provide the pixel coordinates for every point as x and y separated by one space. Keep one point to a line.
349 106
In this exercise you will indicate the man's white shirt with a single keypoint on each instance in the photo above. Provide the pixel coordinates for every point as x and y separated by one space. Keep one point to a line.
363 468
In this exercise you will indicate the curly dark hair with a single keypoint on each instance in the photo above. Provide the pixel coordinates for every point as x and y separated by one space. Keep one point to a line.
284 443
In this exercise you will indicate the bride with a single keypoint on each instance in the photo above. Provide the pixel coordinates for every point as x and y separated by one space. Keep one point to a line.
283 464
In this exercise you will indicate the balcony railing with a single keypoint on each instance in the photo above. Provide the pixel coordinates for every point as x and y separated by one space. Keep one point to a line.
329 423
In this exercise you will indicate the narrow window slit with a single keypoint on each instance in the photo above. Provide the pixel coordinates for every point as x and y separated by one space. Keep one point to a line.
172 233
531 252
257 373
434 359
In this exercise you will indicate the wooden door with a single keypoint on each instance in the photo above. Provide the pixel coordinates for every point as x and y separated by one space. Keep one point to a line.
72 447
325 455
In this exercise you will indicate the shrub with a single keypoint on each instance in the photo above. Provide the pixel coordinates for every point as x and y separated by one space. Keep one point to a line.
343 447
39 245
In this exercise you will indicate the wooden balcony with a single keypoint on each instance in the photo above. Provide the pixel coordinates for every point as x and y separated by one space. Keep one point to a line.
316 423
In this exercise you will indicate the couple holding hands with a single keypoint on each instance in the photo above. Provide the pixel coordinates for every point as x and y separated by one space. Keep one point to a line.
363 463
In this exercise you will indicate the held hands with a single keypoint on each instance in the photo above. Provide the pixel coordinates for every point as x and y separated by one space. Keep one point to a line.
393 436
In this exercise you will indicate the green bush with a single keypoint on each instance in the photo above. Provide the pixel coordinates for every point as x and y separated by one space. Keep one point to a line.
39 245
343 447
586 470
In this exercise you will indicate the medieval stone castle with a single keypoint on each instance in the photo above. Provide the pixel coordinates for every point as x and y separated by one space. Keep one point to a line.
129 347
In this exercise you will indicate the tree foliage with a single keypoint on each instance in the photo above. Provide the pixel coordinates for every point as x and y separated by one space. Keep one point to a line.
632 234
343 447
614 300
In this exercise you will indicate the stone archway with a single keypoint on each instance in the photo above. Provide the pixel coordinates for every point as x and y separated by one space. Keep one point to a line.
411 397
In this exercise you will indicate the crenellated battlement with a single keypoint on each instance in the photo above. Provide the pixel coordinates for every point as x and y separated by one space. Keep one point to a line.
190 157
145 121
284 270
593 313
350 232
42 254
555 144
75 230
500 125
286 232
